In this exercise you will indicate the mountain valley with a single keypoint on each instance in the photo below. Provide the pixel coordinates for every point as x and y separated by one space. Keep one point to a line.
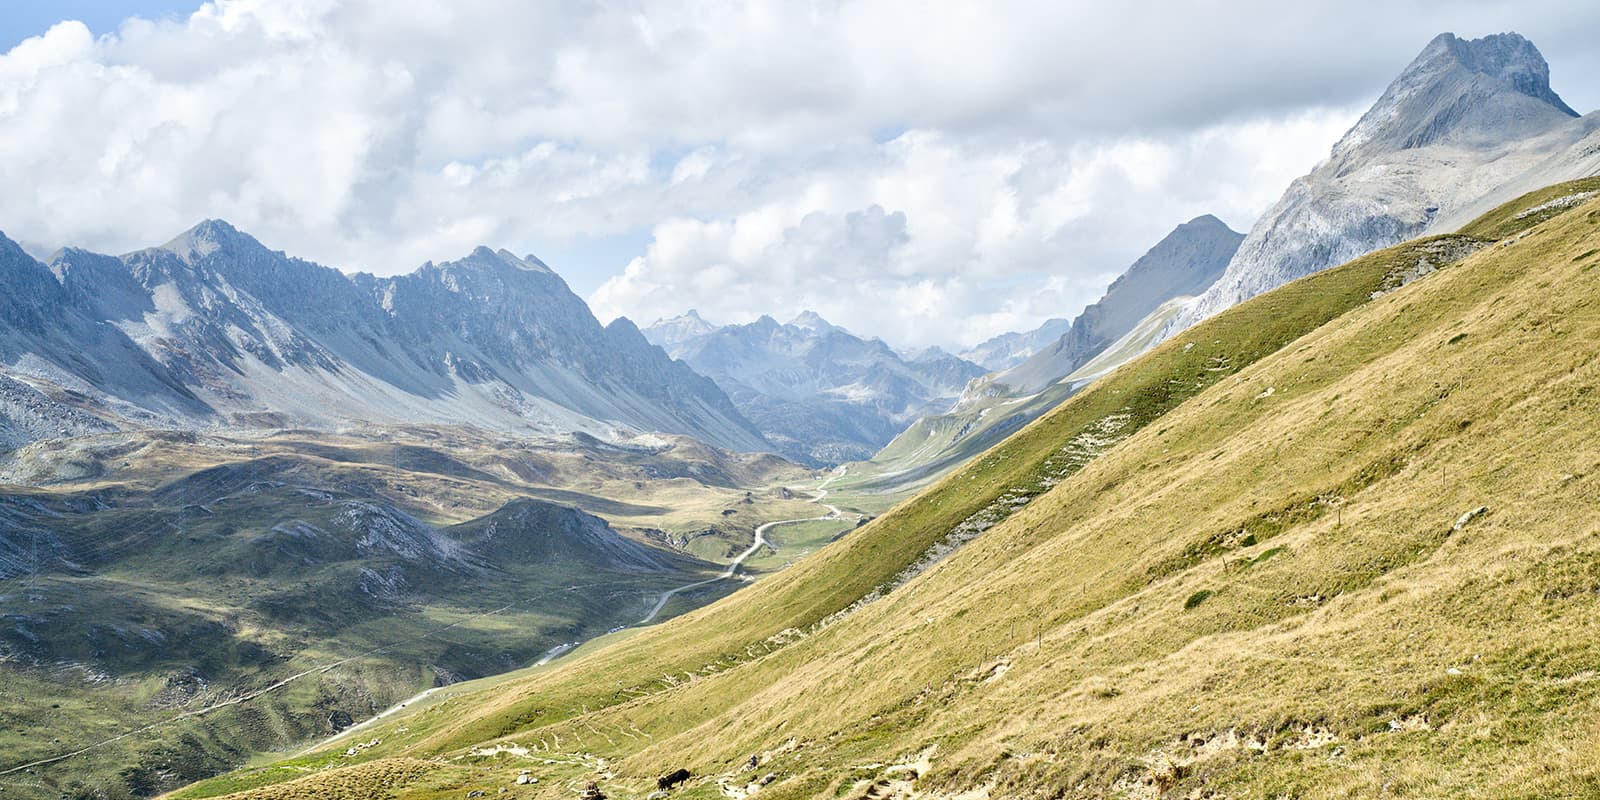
249 591
1305 511
1228 580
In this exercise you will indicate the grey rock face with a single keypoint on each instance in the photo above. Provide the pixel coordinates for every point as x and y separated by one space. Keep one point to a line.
1464 119
1183 264
819 392
214 328
28 415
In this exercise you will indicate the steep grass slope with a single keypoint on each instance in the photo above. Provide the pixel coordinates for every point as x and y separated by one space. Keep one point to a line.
1337 541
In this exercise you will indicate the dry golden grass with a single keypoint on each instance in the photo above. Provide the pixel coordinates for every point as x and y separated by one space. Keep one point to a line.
1366 564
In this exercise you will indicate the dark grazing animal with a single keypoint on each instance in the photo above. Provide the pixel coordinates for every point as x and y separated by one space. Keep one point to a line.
672 779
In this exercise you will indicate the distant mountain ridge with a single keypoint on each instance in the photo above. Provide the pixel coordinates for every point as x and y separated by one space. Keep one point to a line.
214 328
1013 348
1184 263
820 393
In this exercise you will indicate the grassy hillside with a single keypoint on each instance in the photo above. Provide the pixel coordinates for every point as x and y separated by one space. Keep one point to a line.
935 445
220 596
1337 541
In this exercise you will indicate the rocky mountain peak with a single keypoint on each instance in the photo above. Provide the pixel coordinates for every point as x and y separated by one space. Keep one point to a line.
929 354
670 332
812 321
1506 57
1205 222
485 256
1479 92
28 285
1184 263
208 237
623 326
1465 120
11 251
687 318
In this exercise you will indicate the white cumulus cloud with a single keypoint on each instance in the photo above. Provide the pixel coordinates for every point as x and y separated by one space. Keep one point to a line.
927 173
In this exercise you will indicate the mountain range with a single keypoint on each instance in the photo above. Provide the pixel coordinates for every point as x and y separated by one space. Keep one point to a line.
1011 349
1302 512
1335 541
820 393
213 329
1466 126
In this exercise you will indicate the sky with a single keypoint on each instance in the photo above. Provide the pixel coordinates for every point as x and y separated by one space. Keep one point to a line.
932 174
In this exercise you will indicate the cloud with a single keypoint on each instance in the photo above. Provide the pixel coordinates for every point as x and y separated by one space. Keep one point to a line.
936 239
997 167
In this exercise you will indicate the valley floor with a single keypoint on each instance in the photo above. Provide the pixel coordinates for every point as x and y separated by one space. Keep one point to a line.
202 598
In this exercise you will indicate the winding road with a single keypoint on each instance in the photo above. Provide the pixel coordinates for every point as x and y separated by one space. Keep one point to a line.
818 497
760 542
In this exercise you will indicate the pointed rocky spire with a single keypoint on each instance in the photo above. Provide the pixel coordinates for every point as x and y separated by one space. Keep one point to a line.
1496 87
211 236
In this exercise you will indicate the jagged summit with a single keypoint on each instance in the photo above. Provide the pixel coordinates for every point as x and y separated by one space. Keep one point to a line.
688 318
1205 221
485 256
10 249
929 353
622 325
1460 92
210 236
1184 263
671 331
812 321
1505 56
